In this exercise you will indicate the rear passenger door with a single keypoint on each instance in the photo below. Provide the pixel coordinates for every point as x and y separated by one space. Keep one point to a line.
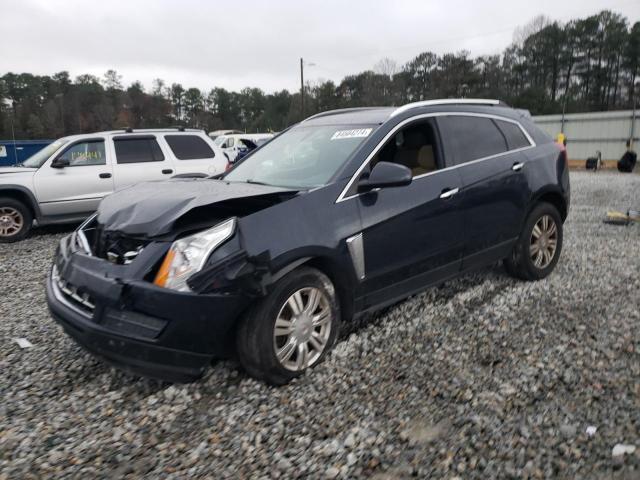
495 188
139 158
193 154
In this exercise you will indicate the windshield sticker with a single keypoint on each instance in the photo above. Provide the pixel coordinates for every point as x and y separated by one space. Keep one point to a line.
356 133
3 151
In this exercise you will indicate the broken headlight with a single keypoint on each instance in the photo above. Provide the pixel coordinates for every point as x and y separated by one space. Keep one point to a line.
189 254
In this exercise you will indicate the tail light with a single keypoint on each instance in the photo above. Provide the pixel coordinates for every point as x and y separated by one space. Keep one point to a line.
228 167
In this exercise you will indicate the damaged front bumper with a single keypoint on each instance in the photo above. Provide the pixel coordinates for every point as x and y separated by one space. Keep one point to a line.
137 326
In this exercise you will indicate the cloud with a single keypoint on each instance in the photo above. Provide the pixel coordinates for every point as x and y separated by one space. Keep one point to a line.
255 42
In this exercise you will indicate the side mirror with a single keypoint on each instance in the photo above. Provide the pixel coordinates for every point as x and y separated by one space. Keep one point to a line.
59 163
386 174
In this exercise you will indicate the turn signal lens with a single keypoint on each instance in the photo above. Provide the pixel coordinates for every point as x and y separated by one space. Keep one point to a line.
163 274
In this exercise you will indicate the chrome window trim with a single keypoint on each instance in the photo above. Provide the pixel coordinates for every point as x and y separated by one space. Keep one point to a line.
342 197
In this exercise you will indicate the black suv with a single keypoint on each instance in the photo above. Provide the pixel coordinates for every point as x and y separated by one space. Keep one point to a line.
341 214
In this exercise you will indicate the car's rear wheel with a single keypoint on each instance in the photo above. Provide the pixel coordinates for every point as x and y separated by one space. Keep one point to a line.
536 252
291 329
15 220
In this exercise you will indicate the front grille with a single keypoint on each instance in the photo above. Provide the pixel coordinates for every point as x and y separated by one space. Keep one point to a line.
117 248
73 294
112 246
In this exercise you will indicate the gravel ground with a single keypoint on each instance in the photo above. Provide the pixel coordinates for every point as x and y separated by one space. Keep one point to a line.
483 377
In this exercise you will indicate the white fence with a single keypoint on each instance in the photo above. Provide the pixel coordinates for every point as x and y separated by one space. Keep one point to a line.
589 132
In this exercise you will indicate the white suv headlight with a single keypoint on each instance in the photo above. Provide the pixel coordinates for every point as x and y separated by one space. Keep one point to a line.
189 254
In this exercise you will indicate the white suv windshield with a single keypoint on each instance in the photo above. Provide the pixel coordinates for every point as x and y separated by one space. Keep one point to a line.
37 159
303 157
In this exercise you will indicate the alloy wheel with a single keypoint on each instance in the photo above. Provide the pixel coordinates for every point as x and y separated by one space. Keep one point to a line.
302 329
544 242
11 221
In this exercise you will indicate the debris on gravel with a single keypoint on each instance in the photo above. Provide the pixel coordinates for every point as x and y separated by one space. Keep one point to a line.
481 377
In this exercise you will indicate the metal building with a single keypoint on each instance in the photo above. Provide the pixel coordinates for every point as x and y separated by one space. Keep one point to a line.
588 133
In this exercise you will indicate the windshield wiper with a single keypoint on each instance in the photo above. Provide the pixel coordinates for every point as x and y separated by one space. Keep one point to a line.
291 187
255 182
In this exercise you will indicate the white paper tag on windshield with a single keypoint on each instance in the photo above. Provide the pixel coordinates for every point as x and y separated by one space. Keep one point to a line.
356 133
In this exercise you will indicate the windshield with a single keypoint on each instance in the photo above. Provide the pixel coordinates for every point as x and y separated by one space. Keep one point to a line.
219 140
303 157
37 159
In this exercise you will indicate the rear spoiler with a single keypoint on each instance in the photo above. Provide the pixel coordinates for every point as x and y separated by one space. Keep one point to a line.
524 113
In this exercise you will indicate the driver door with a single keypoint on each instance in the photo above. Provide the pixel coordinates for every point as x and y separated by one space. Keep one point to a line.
413 236
76 188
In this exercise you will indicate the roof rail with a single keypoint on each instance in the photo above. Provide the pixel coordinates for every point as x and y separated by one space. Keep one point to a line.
445 101
339 111
179 128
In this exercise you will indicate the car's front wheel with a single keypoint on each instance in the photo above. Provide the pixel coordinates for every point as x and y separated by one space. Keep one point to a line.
15 220
537 251
291 329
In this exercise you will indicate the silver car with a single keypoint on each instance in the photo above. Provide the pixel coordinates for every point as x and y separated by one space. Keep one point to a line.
65 181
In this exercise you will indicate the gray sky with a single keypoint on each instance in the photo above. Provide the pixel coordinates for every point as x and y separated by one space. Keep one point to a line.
258 43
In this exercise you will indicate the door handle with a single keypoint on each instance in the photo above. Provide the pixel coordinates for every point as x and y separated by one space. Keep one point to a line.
167 171
449 192
105 175
517 166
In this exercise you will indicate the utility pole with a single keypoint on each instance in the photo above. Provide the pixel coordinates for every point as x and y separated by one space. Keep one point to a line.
13 132
302 83
564 106
302 86
633 122
60 97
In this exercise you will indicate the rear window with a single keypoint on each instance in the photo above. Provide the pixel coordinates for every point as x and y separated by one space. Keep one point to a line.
189 147
137 149
513 134
472 138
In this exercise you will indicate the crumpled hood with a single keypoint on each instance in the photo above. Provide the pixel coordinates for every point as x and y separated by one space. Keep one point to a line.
151 208
16 170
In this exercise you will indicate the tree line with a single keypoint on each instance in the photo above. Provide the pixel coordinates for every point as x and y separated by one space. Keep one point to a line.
585 64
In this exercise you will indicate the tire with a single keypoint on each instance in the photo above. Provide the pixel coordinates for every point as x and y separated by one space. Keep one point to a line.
256 341
15 220
535 256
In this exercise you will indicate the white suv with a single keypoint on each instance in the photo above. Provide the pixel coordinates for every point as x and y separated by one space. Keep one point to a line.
239 144
65 181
